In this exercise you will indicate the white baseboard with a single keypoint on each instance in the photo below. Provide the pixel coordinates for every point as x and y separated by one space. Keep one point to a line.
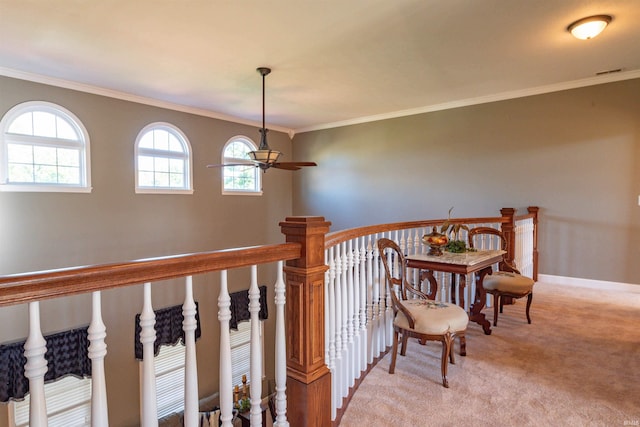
589 283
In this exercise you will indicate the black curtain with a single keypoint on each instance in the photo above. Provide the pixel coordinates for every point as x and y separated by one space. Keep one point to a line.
67 354
240 307
168 328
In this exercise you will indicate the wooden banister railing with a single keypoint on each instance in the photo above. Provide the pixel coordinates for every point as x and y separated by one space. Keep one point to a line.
22 288
338 237
338 317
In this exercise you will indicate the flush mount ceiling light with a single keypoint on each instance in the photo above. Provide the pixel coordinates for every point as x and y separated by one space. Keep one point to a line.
588 28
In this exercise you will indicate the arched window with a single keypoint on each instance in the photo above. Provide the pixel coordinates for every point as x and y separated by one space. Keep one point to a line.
163 160
44 147
244 176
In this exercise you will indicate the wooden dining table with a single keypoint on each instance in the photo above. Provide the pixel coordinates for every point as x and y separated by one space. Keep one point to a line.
460 265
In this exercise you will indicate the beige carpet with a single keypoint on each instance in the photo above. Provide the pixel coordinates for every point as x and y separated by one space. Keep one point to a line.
577 364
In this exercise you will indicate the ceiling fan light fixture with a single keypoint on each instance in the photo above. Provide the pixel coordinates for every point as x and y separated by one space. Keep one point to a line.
265 156
589 27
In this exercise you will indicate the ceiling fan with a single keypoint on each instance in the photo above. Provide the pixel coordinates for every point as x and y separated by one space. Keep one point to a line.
264 157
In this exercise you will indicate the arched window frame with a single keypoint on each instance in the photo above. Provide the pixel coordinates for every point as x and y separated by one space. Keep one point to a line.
81 144
184 156
228 171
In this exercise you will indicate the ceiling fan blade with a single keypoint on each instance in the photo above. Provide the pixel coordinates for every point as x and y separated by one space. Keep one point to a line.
286 166
297 163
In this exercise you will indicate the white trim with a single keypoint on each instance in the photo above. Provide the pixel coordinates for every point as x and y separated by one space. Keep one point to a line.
186 156
97 90
257 175
241 193
82 146
33 188
557 87
158 190
589 283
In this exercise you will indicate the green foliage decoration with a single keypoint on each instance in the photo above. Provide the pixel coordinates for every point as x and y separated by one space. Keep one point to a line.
449 228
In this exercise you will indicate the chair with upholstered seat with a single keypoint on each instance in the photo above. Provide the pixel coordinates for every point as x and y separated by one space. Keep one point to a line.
506 282
415 315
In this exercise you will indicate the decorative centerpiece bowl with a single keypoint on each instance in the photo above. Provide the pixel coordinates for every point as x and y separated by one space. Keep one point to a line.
436 241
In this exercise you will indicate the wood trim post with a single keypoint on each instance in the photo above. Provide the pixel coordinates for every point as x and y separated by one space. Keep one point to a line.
533 210
508 229
308 377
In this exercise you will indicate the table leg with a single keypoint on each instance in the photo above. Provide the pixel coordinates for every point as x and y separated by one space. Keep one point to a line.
454 299
479 302
462 284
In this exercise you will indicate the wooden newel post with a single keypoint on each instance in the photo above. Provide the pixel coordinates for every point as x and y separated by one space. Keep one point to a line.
308 377
508 229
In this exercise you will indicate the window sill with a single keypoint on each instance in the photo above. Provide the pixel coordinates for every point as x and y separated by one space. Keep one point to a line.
162 191
30 188
241 193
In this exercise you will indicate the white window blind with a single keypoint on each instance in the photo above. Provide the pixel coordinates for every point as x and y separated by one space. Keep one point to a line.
169 369
241 352
169 366
68 404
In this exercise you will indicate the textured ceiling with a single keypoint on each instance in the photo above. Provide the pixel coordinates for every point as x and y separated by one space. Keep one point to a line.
334 62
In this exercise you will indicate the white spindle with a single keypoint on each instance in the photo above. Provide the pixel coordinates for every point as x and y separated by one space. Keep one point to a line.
34 350
350 313
281 353
338 328
224 315
388 312
379 284
255 389
346 372
97 352
411 248
331 298
149 408
327 317
356 309
363 307
189 325
370 307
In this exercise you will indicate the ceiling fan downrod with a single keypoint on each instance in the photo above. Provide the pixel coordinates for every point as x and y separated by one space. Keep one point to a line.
264 71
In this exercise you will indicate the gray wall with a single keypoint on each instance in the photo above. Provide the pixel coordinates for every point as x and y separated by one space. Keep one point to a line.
112 223
575 154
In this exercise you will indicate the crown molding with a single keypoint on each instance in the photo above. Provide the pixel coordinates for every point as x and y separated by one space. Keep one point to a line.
591 81
97 90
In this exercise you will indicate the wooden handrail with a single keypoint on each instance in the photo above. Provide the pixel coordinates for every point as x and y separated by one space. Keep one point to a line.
23 288
338 237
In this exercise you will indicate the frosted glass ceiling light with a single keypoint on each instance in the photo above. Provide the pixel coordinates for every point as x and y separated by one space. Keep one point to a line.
588 28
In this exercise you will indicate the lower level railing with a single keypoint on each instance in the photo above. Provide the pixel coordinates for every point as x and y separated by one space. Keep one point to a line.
358 314
337 276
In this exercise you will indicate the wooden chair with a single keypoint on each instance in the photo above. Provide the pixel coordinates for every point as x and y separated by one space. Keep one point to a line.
415 315
507 281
